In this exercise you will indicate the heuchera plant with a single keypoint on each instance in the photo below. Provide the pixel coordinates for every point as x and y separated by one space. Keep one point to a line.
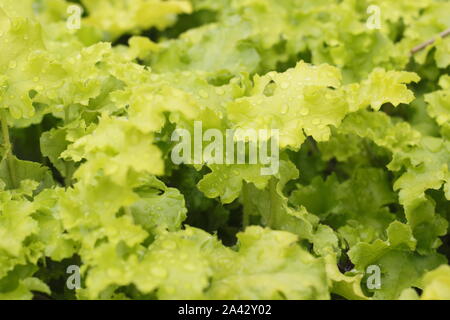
92 205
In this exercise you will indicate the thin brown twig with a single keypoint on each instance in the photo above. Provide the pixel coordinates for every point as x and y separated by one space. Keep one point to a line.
422 46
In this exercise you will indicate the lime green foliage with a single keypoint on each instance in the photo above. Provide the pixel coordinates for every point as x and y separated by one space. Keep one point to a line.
131 16
86 176
436 284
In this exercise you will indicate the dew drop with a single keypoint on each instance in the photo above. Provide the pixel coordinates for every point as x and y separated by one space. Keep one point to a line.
220 91
203 94
12 64
15 25
190 267
376 103
159 272
212 190
316 122
168 244
285 85
183 256
304 112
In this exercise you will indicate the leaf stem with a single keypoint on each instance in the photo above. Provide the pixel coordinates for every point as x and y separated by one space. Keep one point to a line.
245 213
272 202
8 147
5 131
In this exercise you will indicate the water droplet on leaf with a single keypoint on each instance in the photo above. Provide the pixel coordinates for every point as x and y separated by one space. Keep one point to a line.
159 272
203 94
284 109
285 85
168 244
